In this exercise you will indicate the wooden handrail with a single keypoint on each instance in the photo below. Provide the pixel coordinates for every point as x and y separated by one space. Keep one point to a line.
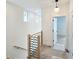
36 33
41 36
31 51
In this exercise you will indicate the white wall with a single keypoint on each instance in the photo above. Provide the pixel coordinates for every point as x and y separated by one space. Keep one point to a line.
34 25
47 25
26 3
70 31
17 31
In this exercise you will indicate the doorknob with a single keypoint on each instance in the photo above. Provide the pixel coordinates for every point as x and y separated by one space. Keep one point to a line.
53 20
52 30
53 40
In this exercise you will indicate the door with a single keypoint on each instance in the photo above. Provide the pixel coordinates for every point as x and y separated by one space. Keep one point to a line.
59 31
55 30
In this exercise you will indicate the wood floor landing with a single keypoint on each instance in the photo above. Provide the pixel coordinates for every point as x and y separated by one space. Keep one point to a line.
50 53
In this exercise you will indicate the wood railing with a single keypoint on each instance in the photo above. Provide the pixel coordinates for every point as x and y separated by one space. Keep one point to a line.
36 33
41 36
34 47
35 42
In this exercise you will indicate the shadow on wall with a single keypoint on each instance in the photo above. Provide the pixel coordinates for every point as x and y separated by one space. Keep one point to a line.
8 58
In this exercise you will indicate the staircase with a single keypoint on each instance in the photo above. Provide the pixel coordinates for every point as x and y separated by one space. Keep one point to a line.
34 45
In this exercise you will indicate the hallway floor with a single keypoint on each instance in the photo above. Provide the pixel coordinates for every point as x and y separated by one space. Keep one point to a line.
50 53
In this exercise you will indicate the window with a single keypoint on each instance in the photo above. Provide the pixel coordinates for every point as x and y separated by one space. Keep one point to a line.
25 16
32 15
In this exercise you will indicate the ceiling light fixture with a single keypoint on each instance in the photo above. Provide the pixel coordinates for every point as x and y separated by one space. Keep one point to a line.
56 8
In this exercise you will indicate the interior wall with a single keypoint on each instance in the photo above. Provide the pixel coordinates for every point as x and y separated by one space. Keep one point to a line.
34 25
26 3
47 24
70 32
17 31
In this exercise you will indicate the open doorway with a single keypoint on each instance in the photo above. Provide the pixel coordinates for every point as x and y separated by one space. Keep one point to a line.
59 31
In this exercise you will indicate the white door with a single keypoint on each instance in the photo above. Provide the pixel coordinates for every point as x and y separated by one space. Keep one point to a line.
55 30
59 31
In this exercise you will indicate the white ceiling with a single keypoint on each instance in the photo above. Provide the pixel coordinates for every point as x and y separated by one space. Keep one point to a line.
38 3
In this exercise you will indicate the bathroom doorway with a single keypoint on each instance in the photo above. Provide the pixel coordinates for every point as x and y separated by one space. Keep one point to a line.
59 30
